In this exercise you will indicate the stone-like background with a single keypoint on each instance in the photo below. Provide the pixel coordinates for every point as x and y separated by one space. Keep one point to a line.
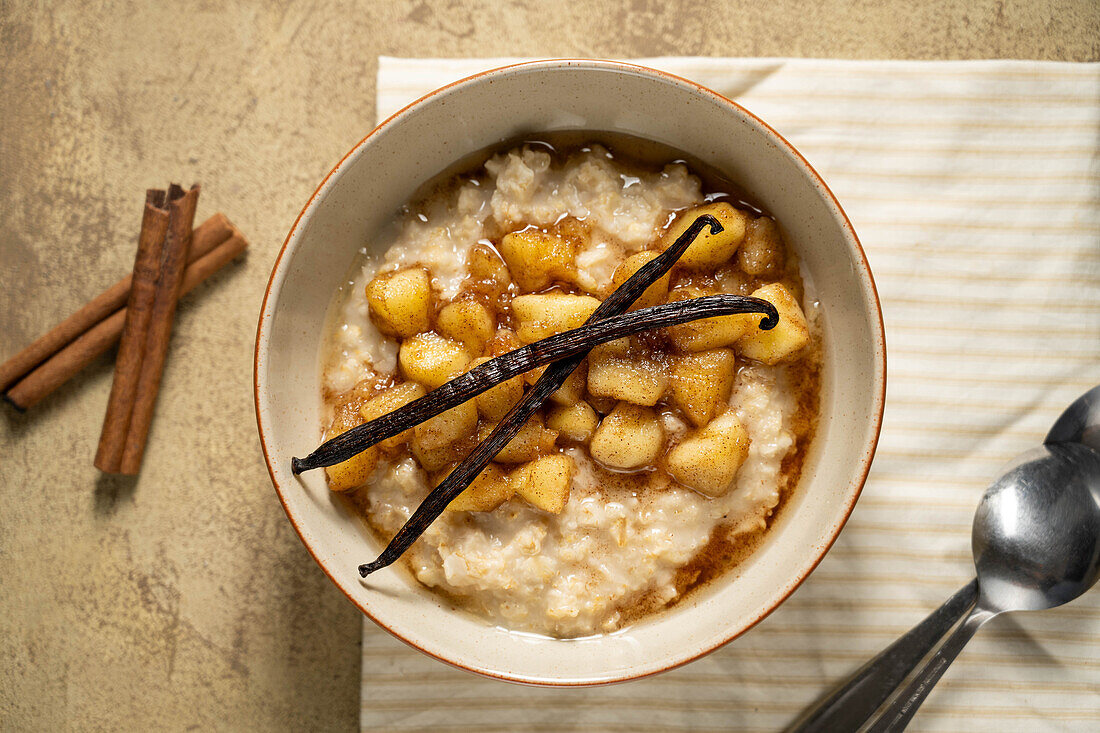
184 599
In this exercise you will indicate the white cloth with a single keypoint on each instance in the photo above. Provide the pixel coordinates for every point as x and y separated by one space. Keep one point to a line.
975 189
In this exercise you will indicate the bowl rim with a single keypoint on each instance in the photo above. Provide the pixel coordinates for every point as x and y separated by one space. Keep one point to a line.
878 335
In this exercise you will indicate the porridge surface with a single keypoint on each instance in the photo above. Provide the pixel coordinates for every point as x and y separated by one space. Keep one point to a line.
577 572
569 574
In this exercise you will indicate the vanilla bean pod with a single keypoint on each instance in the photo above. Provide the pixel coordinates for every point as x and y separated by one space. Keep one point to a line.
502 368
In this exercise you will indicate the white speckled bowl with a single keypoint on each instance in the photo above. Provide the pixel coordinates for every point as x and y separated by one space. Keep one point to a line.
383 170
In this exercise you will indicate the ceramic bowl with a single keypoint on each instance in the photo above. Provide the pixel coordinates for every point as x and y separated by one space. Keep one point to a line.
380 173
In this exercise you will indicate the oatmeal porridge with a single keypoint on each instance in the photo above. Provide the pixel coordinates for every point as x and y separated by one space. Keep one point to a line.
657 464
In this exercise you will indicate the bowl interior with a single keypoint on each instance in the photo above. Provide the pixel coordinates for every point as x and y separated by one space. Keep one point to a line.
362 194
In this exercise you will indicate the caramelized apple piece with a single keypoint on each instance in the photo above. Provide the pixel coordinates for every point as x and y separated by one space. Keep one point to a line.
355 471
536 258
436 459
546 314
709 460
488 273
446 427
490 489
545 482
701 383
431 360
630 437
784 341
468 322
400 303
576 422
762 251
708 250
621 370
503 341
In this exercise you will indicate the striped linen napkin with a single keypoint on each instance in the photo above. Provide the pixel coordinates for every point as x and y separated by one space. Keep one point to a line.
975 189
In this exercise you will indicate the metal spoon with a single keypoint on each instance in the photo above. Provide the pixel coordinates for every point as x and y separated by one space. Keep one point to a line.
1036 541
1080 423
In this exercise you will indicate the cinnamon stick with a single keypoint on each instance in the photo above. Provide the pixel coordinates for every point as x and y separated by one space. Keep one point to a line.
131 349
213 232
65 364
181 215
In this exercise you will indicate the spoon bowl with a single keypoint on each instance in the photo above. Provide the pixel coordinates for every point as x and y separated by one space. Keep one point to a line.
1079 423
1036 545
1036 535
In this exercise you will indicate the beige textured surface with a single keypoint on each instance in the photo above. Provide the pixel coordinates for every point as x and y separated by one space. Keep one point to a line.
184 599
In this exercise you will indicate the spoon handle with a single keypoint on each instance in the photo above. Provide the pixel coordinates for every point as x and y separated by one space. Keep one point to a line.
852 704
903 707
